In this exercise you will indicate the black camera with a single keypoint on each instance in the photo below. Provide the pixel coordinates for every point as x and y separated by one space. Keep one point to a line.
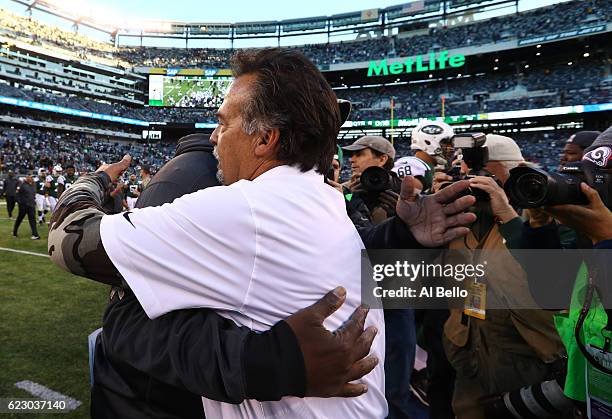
475 155
375 180
531 188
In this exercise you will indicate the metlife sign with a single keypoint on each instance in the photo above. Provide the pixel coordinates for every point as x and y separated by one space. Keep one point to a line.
562 35
418 63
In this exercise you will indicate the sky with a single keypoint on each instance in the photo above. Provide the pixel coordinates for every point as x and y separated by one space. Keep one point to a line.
224 12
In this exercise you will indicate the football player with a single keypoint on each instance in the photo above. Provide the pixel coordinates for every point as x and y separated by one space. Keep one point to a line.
55 186
132 191
432 143
42 203
70 177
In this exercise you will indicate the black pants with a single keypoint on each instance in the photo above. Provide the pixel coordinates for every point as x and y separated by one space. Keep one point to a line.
30 211
10 205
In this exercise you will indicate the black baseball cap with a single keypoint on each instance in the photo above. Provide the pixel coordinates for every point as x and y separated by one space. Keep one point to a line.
583 139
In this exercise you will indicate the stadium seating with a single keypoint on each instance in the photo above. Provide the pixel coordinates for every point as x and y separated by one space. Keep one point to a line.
560 85
540 21
582 83
586 81
25 150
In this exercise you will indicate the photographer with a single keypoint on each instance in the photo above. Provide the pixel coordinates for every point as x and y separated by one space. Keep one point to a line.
539 222
576 144
366 153
502 350
370 189
584 328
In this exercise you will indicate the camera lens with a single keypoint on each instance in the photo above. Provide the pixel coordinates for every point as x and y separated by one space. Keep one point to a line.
531 188
375 179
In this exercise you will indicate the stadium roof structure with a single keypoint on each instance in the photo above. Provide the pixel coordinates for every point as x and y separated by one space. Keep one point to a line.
80 13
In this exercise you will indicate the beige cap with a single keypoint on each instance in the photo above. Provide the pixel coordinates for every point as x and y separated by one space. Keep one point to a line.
503 148
380 144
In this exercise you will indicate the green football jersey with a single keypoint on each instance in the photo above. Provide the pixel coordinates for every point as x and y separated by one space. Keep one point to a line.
132 189
54 184
69 181
40 185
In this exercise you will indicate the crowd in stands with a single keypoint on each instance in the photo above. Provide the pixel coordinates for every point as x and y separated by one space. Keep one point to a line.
541 21
566 16
38 33
26 150
584 82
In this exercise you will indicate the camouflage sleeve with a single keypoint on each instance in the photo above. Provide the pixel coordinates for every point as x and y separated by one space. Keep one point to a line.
74 243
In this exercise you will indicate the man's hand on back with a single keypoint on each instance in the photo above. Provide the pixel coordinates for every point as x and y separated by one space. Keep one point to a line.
436 219
333 359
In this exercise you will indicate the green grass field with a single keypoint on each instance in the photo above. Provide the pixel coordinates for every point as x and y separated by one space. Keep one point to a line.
175 91
46 315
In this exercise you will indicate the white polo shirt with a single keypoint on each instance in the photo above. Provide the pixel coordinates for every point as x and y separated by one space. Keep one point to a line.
256 252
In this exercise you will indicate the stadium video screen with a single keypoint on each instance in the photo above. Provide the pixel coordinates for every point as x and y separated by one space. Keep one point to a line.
187 91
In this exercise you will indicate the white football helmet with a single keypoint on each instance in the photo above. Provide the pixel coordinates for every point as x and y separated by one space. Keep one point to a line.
428 135
57 169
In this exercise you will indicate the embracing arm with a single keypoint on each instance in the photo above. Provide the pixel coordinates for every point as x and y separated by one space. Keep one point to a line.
74 236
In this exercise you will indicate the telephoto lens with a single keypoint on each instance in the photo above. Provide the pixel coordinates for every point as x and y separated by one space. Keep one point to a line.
541 400
532 188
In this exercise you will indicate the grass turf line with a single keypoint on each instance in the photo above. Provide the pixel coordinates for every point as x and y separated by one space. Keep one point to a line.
46 315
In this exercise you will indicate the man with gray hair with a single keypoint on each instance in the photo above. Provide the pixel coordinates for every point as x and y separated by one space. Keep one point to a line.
264 245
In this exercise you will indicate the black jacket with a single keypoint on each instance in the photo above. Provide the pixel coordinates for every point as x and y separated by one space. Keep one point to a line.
26 195
159 368
10 186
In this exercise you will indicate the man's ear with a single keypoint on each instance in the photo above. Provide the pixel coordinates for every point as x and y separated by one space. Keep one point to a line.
267 144
384 158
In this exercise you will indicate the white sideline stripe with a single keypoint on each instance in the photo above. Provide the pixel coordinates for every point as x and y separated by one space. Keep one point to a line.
45 393
25 252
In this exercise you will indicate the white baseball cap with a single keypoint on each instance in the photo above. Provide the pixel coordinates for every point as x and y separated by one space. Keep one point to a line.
503 148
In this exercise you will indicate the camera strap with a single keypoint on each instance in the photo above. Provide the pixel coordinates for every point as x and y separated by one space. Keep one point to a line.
584 311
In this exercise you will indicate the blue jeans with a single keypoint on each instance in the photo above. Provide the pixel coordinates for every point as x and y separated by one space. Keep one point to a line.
400 331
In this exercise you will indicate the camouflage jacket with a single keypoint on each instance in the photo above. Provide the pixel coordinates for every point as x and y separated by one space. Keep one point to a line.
74 243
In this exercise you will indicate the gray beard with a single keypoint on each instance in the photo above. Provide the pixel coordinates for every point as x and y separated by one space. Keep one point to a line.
220 177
